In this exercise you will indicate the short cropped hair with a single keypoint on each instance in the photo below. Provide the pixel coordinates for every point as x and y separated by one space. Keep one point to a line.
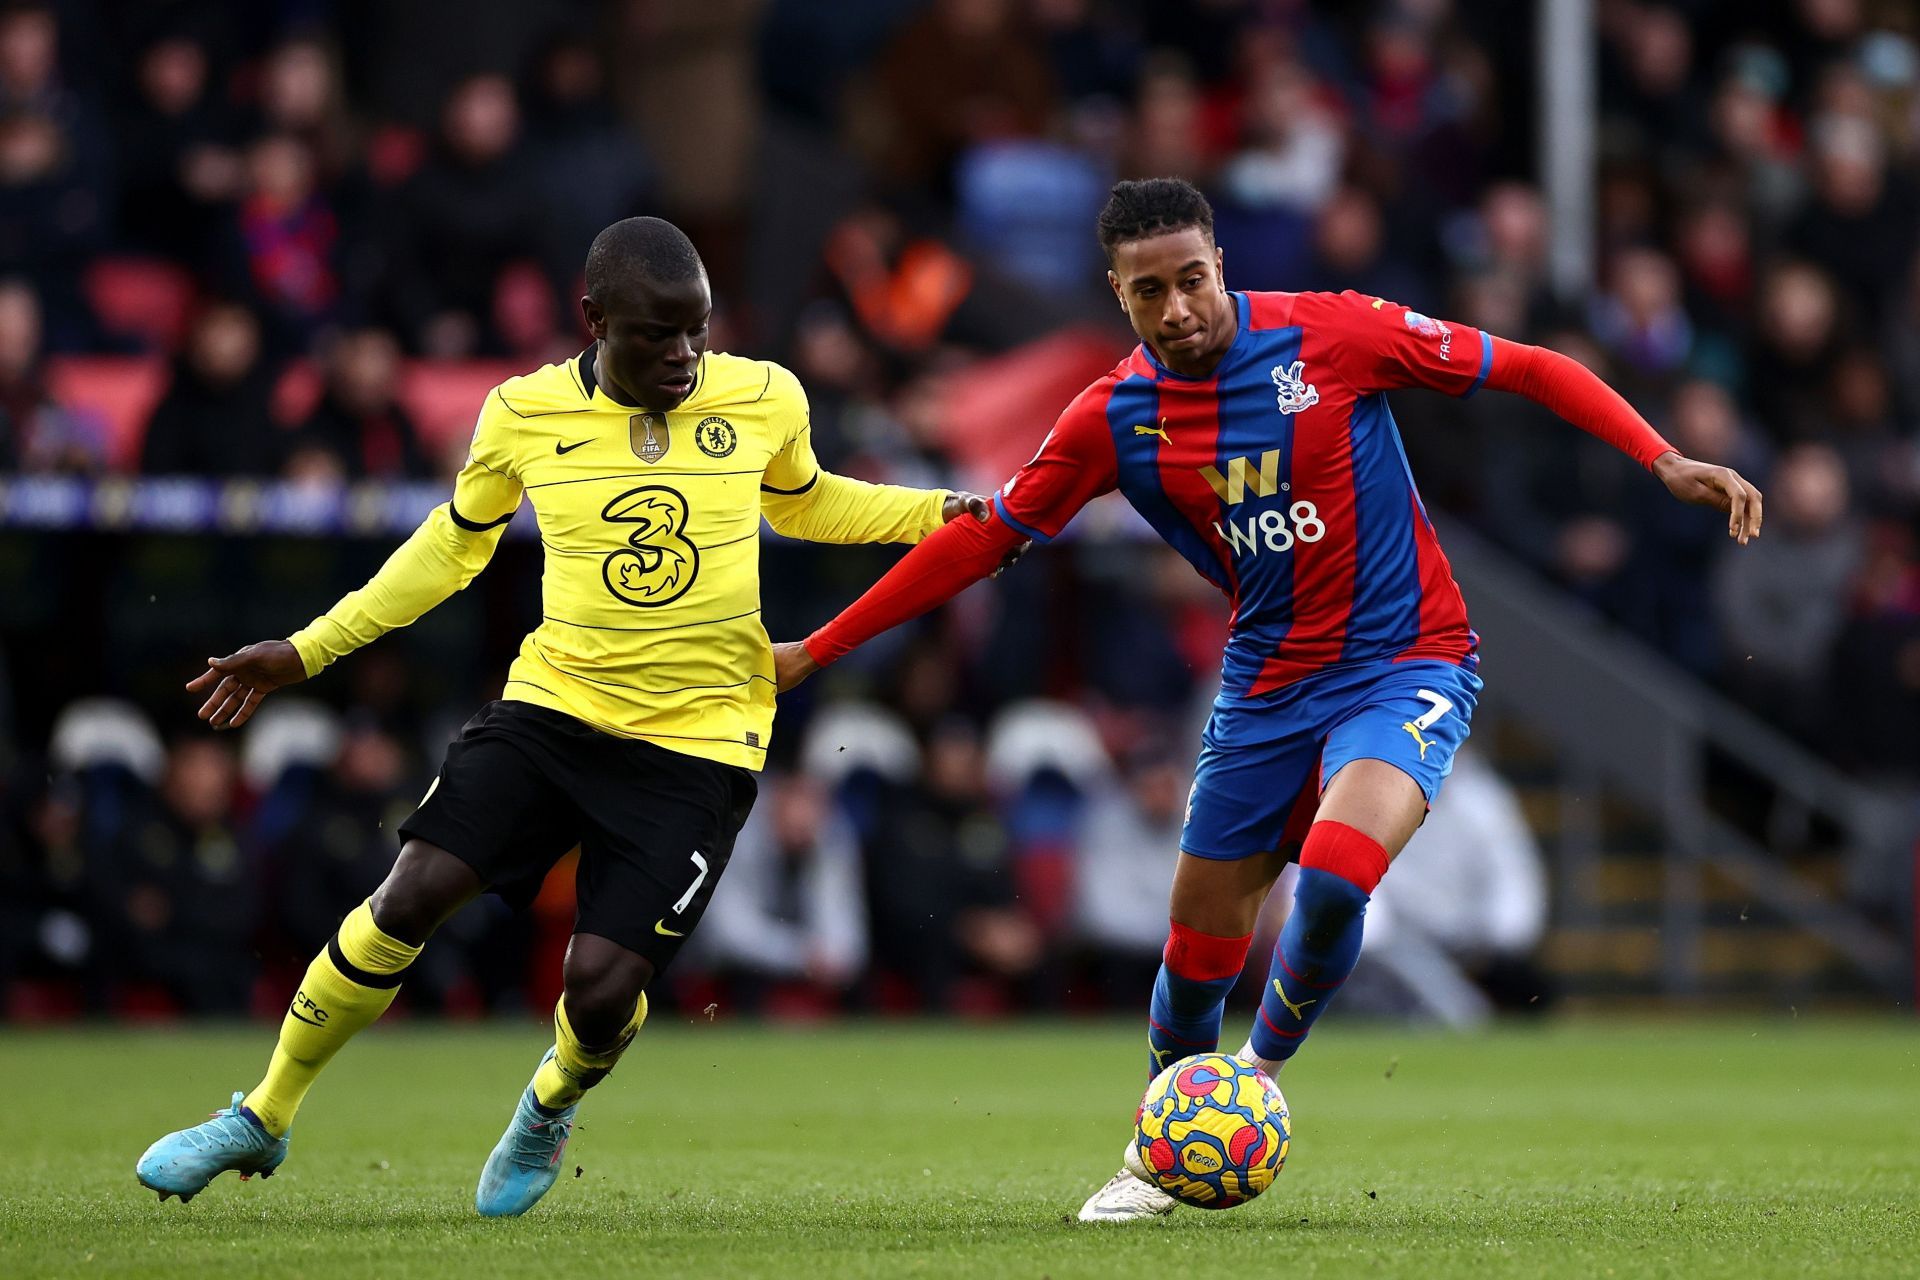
1152 207
639 252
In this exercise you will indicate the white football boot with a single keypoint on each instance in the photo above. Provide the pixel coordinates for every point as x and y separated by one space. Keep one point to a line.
1129 1195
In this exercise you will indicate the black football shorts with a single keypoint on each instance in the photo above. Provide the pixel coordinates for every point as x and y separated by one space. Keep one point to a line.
522 785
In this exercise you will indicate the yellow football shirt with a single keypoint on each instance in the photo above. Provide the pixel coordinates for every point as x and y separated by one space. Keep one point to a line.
650 596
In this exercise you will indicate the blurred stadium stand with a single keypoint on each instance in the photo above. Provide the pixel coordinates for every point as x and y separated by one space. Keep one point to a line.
259 264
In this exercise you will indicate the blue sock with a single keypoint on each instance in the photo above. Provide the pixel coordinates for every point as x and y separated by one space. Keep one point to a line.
1184 1018
1316 952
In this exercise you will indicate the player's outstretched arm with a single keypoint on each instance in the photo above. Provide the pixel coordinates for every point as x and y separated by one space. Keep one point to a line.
1577 394
441 557
1074 465
451 546
235 684
940 568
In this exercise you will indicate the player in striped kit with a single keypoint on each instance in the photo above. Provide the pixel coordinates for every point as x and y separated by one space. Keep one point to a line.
1251 430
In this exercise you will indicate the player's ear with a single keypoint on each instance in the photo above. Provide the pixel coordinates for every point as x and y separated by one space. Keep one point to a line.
1220 265
1113 283
595 317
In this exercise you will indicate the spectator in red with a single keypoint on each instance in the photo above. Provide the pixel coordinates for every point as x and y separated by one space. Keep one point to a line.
287 238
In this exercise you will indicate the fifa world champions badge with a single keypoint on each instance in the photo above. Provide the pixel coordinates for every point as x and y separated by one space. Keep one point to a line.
650 436
1296 393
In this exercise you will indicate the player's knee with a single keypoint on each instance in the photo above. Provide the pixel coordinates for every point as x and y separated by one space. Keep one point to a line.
1340 867
1203 957
1346 854
603 983
425 887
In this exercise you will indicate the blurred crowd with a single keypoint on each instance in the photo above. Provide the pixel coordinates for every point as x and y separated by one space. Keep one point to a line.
236 239
246 201
972 869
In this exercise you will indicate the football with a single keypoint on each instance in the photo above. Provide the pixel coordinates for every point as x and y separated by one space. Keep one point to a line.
1212 1131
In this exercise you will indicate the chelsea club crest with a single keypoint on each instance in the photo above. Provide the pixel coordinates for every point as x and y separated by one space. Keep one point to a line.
716 437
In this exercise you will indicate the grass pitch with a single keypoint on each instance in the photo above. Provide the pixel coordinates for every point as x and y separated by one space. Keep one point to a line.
1591 1149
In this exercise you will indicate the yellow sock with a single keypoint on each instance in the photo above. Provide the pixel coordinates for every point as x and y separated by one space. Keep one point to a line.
347 986
573 1069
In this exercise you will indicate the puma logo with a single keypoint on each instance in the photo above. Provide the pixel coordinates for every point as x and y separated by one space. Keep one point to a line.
1292 1008
1159 1056
1424 742
1160 431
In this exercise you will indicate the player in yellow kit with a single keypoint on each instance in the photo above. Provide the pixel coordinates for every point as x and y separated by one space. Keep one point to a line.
632 719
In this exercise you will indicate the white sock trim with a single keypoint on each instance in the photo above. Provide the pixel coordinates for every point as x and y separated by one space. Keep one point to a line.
1269 1065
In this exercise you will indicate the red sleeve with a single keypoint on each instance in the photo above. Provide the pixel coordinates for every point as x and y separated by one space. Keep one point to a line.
1076 463
1376 345
953 558
1576 393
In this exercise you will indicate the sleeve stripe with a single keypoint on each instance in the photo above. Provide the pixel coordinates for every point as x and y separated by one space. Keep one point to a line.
789 493
1000 508
1486 364
476 526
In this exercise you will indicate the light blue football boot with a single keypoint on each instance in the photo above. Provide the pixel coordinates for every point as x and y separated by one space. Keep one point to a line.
182 1164
526 1160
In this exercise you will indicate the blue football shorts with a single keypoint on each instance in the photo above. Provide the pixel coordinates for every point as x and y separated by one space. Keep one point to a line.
1264 764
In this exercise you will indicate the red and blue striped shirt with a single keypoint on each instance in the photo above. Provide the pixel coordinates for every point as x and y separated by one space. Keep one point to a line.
1281 479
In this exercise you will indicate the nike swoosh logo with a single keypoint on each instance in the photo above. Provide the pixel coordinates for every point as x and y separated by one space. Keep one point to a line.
309 1021
660 927
568 448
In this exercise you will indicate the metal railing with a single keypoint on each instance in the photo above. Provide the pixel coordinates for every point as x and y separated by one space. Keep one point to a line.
1618 714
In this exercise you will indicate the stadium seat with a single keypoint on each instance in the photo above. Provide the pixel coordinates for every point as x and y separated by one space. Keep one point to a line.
106 731
850 736
120 391
288 732
444 396
992 411
1038 734
145 300
297 392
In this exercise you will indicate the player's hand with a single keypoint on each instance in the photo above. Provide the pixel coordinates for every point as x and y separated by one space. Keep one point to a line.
235 684
972 504
965 504
791 665
1707 485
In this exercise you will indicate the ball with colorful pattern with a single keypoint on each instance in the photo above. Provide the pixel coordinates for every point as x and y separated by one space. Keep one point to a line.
1213 1131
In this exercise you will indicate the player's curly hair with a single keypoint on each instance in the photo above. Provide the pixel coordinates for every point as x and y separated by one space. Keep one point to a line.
639 251
1151 207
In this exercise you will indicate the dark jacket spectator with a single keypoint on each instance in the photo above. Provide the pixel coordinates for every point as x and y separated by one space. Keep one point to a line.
215 419
360 425
468 213
177 162
175 897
